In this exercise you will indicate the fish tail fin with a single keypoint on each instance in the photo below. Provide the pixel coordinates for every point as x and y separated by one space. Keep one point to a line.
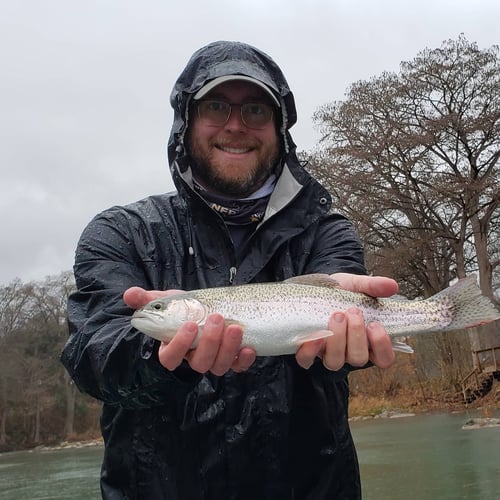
467 305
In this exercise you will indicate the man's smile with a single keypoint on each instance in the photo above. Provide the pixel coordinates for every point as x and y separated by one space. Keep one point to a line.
233 150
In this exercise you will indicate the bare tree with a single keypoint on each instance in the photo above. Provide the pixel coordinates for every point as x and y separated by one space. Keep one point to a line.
14 312
412 158
50 322
33 384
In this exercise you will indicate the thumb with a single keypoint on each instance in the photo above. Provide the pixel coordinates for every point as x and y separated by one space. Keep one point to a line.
136 297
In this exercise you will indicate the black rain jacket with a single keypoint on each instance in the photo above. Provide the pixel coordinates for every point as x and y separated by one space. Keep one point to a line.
277 431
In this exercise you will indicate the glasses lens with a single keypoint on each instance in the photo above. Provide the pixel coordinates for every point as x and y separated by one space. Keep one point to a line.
214 112
253 114
256 115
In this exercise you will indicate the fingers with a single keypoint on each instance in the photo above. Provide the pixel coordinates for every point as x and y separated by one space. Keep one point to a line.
136 297
218 349
353 342
349 343
334 356
172 354
307 353
357 342
381 351
244 360
375 286
203 357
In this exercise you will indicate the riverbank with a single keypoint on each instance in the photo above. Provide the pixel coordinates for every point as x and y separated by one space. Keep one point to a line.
65 445
361 407
487 411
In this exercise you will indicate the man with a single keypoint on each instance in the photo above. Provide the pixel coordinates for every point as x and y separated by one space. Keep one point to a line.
216 422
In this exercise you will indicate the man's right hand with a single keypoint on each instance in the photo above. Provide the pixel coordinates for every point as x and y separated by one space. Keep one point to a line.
219 347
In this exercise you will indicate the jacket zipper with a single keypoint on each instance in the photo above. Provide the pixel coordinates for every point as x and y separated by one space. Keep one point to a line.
232 274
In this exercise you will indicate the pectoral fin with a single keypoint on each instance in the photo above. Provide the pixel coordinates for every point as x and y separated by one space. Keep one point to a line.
310 336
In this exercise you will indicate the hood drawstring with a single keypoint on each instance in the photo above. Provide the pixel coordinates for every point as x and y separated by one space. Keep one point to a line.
186 123
190 230
284 125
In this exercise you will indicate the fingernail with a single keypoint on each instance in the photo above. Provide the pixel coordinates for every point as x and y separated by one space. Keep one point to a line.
339 317
354 310
215 319
191 328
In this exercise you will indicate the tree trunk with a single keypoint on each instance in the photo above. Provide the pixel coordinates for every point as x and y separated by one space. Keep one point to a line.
3 426
36 436
70 406
3 400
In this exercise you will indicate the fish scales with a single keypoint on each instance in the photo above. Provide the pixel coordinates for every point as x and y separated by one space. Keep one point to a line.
278 317
313 307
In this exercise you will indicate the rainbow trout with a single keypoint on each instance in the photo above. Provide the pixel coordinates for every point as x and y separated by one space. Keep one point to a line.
278 317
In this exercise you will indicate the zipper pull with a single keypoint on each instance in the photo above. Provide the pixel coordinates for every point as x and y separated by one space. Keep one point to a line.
232 274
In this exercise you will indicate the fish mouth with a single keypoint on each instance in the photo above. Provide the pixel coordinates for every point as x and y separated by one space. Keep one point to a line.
148 315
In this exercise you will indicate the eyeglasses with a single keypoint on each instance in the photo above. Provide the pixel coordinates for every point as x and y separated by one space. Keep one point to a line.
254 115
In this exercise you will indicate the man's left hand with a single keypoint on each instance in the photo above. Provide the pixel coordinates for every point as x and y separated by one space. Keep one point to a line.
352 341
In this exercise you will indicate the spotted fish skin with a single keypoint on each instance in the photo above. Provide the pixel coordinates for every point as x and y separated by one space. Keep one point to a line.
278 317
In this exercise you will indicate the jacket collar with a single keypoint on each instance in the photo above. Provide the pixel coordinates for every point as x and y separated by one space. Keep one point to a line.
288 186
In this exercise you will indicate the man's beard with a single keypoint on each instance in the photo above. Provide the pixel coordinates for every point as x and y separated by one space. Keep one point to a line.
246 182
239 188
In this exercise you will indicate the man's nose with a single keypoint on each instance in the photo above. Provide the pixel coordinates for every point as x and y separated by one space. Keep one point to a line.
235 120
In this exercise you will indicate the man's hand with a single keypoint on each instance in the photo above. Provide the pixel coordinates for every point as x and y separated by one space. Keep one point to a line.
218 350
137 297
352 342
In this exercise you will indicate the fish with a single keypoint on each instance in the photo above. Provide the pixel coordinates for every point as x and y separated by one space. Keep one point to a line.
278 317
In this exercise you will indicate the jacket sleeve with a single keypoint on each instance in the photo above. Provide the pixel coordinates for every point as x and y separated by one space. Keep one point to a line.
106 357
337 248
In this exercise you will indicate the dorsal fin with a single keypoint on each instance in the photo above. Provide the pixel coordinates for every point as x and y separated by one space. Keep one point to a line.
314 280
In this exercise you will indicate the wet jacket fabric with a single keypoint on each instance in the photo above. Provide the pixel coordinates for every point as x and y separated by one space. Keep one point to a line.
276 431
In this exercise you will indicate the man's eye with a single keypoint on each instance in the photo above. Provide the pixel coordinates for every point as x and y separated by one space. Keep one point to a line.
216 105
255 109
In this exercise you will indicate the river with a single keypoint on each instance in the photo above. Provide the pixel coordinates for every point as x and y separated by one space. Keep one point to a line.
428 458
415 458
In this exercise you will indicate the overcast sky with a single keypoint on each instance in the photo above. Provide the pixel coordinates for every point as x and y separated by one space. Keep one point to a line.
85 85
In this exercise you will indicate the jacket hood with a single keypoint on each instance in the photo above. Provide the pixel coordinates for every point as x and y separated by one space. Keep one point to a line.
220 59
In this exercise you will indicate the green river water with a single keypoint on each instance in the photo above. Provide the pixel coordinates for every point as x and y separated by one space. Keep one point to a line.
416 458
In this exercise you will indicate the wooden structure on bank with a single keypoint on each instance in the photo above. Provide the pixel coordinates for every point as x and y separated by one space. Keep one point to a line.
485 344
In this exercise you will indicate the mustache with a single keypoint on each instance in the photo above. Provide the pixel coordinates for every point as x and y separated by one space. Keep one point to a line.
234 144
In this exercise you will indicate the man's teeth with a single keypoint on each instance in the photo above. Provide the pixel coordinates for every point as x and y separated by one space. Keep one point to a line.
234 150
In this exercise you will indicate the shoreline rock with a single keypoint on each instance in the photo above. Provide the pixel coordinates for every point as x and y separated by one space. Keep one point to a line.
384 414
481 423
66 445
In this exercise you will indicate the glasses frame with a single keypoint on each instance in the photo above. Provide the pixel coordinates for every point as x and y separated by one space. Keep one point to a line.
231 106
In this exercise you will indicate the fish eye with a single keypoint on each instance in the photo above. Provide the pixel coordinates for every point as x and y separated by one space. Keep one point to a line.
157 306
